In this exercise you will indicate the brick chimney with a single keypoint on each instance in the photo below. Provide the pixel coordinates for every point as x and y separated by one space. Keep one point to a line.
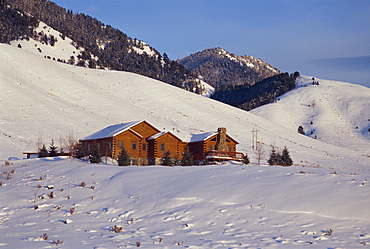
221 144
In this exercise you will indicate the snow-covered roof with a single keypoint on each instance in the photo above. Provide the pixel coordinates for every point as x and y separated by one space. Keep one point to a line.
202 136
155 136
112 130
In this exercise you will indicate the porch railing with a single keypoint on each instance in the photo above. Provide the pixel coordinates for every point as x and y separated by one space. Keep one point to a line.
223 155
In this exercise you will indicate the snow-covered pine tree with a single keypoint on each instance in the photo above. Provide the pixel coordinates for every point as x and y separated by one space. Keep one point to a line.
124 158
285 157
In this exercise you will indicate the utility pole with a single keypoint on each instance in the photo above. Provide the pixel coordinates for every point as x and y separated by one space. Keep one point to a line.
254 138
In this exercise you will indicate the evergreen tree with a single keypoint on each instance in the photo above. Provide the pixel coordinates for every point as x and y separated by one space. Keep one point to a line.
124 158
53 150
167 160
300 130
43 152
95 156
246 159
187 158
285 157
274 157
80 150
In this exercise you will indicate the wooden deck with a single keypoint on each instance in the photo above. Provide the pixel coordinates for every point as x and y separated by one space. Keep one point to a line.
222 156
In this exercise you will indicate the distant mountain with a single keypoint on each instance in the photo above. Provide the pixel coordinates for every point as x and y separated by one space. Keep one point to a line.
100 45
220 68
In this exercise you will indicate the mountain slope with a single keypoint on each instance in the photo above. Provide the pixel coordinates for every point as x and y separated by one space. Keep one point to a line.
221 68
334 112
41 97
103 46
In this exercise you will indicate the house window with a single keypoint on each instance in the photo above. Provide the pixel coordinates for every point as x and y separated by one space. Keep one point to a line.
227 140
196 149
88 147
229 149
133 145
110 145
214 139
121 145
144 146
162 147
210 148
98 145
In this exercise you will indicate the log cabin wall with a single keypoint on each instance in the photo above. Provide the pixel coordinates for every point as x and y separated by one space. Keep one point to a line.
131 141
160 145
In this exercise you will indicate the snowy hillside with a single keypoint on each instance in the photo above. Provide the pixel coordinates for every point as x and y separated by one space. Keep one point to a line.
320 202
334 112
43 98
61 50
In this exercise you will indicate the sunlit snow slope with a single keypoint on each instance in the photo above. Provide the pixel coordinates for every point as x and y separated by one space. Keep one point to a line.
48 99
334 112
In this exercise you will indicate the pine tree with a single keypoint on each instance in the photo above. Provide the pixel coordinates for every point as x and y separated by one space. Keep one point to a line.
187 158
167 160
53 150
95 156
43 152
246 159
300 130
274 157
285 157
124 158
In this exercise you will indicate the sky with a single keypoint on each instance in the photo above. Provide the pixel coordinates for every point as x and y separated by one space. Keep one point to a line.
327 39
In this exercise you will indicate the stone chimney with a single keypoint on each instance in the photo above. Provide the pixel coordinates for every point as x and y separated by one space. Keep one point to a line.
221 144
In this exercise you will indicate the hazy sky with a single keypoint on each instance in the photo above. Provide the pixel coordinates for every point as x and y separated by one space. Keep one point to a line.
328 39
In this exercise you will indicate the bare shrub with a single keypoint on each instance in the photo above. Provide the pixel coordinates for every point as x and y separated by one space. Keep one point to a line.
138 244
83 184
51 195
8 174
116 229
328 232
45 236
130 221
57 242
160 240
72 210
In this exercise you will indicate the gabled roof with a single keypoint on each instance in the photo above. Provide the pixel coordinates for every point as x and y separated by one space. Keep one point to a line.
158 135
155 136
112 130
207 135
202 136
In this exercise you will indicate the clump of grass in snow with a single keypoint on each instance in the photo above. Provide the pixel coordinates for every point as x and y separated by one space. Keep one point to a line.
44 236
116 229
57 242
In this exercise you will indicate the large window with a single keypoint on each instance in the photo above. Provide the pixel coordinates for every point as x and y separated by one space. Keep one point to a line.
133 145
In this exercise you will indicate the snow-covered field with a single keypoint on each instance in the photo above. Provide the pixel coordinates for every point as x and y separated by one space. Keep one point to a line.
223 206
